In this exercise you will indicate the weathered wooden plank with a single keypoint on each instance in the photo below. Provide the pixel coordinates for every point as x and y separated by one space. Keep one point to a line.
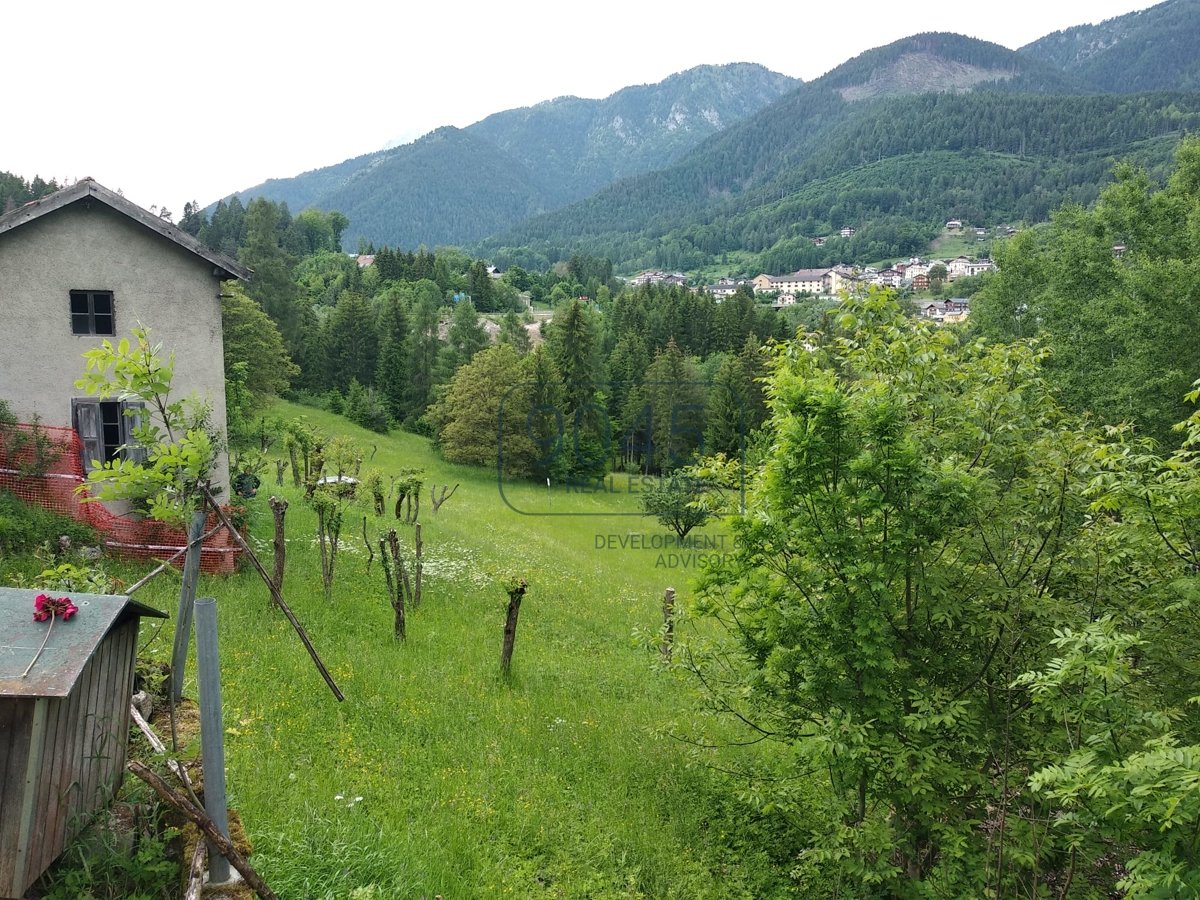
16 717
43 809
26 836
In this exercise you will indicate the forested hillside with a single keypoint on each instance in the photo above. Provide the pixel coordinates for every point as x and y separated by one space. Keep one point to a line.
1149 50
458 185
893 168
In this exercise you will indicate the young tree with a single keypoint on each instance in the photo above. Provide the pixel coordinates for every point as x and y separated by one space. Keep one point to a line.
919 530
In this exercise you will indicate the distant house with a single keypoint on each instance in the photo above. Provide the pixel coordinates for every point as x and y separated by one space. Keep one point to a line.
818 242
920 281
947 311
957 267
84 264
784 300
847 232
1118 250
724 287
365 259
979 266
802 281
954 225
981 232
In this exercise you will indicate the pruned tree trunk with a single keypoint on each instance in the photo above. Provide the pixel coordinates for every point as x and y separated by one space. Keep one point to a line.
392 562
278 511
367 544
418 565
297 472
280 465
436 499
515 592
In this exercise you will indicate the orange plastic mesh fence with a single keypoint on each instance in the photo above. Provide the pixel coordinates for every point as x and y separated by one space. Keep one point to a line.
43 465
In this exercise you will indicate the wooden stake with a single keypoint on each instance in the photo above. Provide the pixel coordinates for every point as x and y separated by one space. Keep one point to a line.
515 593
185 808
276 594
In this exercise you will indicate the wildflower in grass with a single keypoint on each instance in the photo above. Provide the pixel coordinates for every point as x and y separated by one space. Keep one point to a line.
49 608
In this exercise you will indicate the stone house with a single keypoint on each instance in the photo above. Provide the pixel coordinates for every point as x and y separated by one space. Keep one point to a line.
84 264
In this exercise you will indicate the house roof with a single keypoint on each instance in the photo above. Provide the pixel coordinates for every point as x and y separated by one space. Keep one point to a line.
87 189
70 646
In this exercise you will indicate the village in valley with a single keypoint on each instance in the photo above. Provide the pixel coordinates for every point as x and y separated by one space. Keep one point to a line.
915 277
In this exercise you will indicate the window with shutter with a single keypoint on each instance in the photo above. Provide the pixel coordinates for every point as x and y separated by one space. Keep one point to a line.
105 428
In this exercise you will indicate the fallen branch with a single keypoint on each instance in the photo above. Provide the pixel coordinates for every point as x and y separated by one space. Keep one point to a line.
196 816
159 747
276 595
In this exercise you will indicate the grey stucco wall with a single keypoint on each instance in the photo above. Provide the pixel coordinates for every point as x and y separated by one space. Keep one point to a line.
155 282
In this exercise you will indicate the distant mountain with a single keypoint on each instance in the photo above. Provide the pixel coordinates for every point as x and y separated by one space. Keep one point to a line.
946 63
1150 50
927 93
458 185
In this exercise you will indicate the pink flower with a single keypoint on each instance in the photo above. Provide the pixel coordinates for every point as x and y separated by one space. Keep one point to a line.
46 607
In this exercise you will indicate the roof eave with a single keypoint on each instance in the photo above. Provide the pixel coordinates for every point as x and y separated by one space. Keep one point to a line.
223 266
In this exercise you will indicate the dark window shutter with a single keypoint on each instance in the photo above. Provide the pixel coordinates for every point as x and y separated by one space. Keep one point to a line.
133 412
85 414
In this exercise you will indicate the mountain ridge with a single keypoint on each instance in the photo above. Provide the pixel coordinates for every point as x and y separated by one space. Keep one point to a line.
548 155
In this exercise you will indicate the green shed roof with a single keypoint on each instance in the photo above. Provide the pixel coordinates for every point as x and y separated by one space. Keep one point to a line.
71 643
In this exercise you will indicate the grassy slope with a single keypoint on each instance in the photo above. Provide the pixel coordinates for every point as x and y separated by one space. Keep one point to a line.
558 785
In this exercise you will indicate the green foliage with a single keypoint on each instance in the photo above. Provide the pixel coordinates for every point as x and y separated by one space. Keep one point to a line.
482 416
33 450
68 576
1121 329
106 871
917 531
673 502
177 437
25 526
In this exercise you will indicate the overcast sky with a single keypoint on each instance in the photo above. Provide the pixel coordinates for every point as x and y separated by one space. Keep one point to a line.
172 102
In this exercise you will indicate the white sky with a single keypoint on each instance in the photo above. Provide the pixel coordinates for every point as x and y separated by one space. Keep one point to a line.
172 102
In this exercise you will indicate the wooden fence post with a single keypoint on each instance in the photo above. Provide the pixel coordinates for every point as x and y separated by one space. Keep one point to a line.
516 591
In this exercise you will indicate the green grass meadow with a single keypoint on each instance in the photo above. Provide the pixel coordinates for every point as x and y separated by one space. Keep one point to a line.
438 777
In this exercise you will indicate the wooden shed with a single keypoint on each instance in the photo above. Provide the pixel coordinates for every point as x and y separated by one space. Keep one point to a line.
64 727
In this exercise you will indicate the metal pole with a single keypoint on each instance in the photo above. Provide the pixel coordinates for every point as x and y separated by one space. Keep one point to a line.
212 731
187 597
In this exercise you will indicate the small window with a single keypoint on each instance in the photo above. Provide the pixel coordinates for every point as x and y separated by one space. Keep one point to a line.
92 312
